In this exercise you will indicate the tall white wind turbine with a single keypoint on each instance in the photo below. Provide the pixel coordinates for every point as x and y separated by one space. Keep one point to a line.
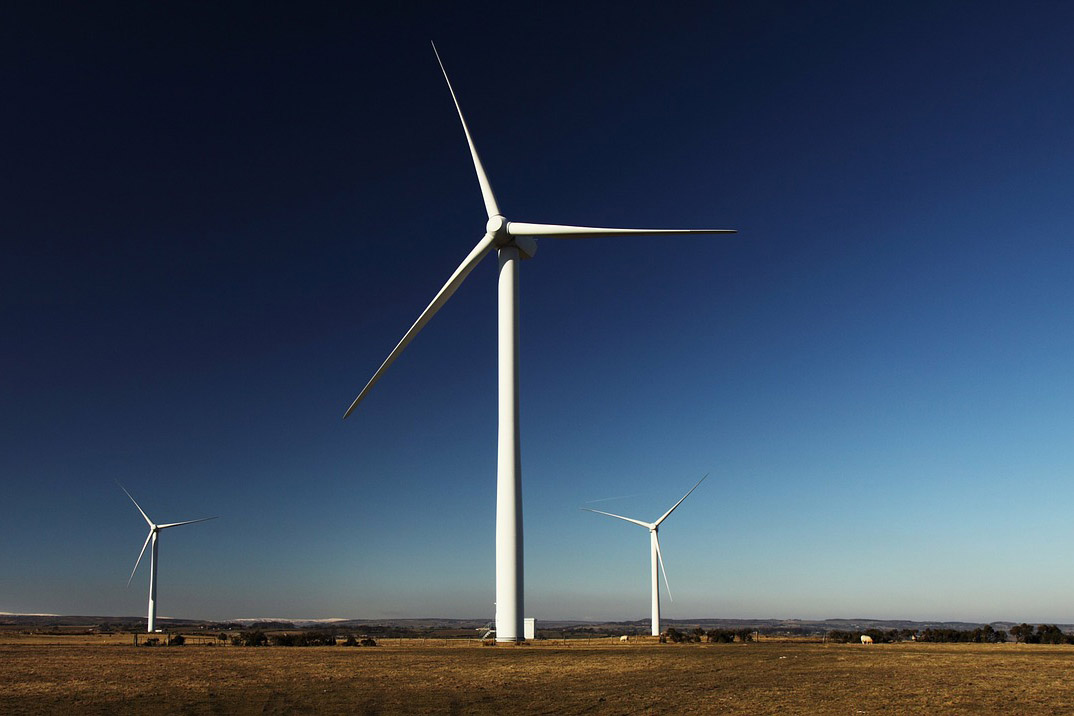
512 241
154 530
654 552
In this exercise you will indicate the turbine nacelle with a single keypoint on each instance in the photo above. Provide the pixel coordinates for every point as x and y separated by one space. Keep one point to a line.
526 245
499 229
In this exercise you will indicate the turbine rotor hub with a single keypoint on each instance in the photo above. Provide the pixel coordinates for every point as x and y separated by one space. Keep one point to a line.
497 226
500 230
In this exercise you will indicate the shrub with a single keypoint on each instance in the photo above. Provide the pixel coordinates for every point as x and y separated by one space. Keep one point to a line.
1051 634
255 637
304 638
320 638
1023 633
726 636
720 636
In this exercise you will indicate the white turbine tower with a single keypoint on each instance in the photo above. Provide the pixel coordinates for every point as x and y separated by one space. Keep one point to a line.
512 241
654 551
154 529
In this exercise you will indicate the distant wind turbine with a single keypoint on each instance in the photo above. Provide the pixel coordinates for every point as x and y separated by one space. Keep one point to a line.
154 529
654 550
512 241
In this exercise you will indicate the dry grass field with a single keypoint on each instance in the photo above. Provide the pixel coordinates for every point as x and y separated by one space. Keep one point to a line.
99 675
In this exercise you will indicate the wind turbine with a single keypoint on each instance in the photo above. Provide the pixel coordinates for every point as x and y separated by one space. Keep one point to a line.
513 241
654 550
154 530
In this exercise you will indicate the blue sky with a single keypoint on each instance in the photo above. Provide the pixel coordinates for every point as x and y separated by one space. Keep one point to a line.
219 221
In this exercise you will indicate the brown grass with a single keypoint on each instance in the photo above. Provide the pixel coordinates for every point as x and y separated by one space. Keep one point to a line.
604 677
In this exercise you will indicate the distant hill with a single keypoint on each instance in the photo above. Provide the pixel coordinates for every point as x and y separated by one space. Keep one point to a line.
766 626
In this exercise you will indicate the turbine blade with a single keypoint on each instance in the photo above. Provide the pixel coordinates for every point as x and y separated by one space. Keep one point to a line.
660 559
482 178
139 560
680 501
149 521
520 228
438 301
188 522
646 525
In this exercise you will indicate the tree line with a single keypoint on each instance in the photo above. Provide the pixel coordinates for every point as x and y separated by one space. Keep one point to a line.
1043 634
256 637
712 636
1022 633
981 635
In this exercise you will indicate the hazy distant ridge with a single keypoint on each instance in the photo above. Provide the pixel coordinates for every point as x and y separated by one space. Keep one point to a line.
814 626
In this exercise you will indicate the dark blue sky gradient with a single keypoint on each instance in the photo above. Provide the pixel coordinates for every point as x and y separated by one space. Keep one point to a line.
218 221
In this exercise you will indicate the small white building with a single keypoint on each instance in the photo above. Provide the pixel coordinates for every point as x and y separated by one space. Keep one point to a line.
529 628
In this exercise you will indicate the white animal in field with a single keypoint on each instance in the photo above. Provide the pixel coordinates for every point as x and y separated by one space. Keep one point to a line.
623 638
866 639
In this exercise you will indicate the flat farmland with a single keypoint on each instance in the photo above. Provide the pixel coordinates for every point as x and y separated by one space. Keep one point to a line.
72 675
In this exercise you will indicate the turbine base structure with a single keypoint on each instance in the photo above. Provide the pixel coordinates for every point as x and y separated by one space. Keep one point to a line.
151 622
509 564
654 559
